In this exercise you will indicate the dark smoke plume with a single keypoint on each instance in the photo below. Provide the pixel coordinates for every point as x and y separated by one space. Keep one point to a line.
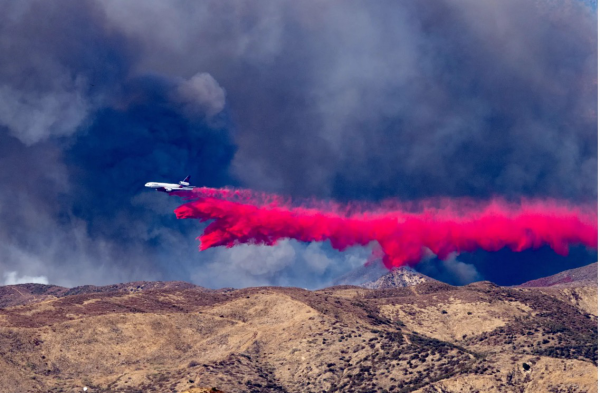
348 100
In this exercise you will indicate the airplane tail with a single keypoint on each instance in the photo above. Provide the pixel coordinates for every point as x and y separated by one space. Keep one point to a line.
186 181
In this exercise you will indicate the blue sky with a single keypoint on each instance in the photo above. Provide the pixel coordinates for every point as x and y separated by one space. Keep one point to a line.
346 100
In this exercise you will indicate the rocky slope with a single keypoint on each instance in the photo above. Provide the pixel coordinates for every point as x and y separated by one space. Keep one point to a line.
430 337
398 278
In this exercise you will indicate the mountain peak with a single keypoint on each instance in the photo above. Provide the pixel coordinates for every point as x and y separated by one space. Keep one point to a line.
397 278
375 275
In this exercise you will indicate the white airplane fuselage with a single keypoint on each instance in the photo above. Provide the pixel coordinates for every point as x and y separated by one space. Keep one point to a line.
169 187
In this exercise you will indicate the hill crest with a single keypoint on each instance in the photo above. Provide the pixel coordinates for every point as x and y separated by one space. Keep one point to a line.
582 276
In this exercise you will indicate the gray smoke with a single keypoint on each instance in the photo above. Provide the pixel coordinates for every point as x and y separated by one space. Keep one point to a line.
350 100
371 100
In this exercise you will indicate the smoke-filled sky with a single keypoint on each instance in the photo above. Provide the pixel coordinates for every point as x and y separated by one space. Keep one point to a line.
338 100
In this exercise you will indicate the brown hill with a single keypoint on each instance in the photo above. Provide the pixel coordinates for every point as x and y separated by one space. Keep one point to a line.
15 295
578 287
431 337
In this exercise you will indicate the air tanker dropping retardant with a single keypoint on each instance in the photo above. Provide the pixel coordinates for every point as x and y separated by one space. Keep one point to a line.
183 185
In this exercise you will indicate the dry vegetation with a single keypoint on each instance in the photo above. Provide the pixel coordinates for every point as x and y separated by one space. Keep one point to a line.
176 338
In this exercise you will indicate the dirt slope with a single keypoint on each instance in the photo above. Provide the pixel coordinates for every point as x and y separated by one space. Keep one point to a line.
429 338
576 286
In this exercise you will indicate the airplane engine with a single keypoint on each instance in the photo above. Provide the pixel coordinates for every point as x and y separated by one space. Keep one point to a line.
184 183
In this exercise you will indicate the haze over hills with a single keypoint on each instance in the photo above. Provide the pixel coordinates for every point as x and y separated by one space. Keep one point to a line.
170 337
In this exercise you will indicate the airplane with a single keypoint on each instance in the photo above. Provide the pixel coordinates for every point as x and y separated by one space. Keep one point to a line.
183 185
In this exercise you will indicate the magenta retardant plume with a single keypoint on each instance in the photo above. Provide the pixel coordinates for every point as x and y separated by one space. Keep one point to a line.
403 230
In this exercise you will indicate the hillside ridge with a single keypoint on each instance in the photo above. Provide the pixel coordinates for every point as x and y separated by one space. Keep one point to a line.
429 337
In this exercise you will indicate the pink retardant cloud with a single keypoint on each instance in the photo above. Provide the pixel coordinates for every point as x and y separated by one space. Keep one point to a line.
404 231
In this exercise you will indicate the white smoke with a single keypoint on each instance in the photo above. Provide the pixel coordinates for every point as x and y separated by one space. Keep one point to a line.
288 263
12 278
